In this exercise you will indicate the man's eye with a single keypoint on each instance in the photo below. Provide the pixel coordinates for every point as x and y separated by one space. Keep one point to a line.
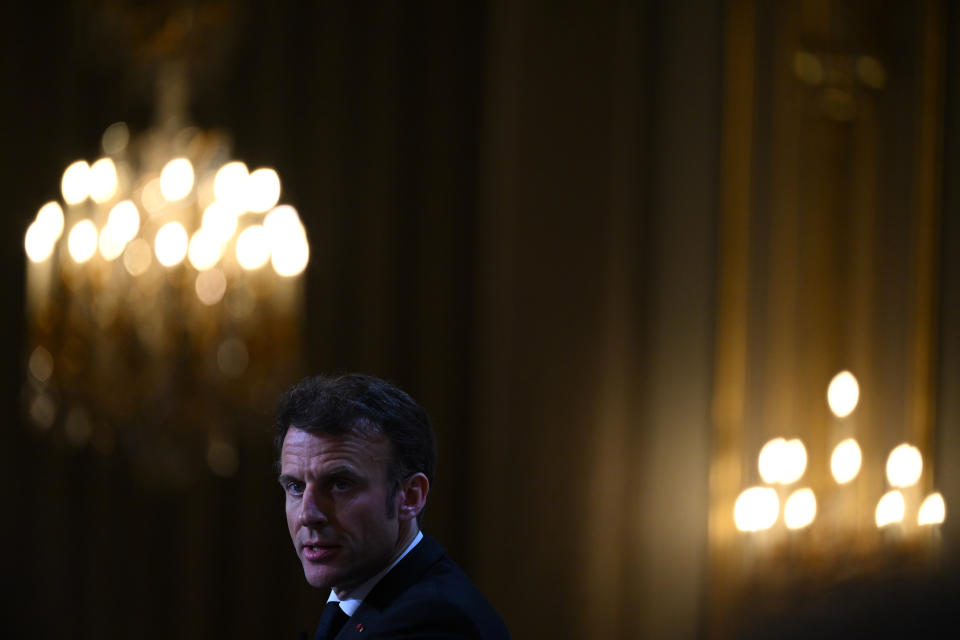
340 485
295 488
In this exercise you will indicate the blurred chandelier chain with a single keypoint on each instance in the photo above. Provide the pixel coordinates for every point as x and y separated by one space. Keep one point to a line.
163 297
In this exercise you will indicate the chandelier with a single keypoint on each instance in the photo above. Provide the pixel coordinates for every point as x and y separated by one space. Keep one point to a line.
163 301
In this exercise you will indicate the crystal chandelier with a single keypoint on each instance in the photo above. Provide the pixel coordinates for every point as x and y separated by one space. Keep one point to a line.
163 301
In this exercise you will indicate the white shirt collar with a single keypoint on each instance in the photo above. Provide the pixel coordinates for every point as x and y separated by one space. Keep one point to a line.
352 601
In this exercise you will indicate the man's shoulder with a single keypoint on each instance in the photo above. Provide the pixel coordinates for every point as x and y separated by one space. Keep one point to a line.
434 597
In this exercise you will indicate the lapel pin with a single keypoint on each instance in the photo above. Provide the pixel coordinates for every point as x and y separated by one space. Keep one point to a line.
360 627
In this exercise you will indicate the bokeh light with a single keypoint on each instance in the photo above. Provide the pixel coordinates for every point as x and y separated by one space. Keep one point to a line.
220 220
843 394
904 466
289 249
75 184
103 180
124 221
176 179
82 241
756 509
782 461
253 247
800 509
933 510
263 190
170 244
137 257
205 249
50 219
230 185
210 286
845 461
890 509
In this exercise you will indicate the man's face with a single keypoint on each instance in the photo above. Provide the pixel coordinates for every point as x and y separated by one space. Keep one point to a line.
337 506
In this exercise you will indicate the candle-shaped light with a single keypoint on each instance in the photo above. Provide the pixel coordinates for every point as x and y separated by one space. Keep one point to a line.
756 509
933 510
843 394
904 466
890 509
845 461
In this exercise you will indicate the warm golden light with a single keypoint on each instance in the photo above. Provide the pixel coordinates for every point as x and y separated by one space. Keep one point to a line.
933 510
756 509
845 461
253 247
82 241
800 509
50 219
151 197
210 286
263 190
124 221
220 220
110 245
289 249
170 244
115 138
75 185
782 461
904 466
771 457
176 179
137 257
205 250
37 243
230 184
843 394
103 180
890 509
40 364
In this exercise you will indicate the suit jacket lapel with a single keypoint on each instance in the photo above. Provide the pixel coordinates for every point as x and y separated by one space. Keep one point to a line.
407 572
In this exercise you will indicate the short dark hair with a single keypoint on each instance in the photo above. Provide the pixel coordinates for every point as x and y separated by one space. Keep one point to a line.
357 404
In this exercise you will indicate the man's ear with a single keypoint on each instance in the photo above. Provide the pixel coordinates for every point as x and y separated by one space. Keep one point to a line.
412 496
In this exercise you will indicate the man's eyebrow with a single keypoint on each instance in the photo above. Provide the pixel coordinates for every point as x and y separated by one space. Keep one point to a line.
285 478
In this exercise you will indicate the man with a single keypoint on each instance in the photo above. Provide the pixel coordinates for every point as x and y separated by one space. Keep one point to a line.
356 458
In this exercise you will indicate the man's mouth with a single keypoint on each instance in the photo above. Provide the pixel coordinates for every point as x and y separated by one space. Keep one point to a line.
319 552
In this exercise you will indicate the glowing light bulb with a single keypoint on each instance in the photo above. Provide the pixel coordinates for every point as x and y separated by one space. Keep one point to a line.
110 245
890 509
843 394
904 466
170 244
75 185
176 179
210 286
253 247
50 219
124 221
263 190
933 510
756 509
137 257
103 180
782 461
37 242
220 220
230 185
800 509
289 249
82 241
205 250
845 461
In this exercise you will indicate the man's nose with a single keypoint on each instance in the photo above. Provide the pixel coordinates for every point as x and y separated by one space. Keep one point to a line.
312 509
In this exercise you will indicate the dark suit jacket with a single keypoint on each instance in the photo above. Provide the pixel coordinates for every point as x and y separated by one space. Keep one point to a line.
425 596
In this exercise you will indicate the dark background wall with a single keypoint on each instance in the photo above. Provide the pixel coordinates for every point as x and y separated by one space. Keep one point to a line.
512 210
